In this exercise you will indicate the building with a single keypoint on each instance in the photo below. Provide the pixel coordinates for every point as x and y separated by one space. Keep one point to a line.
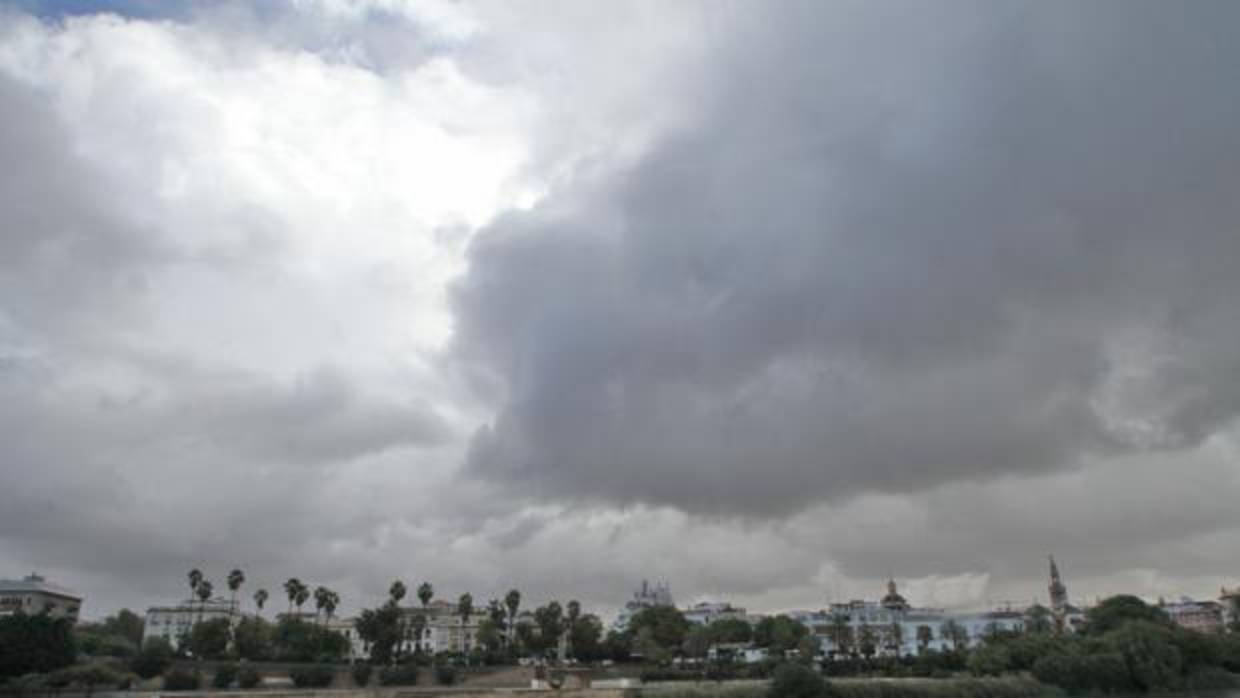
33 594
894 627
706 612
442 629
646 597
173 623
1202 616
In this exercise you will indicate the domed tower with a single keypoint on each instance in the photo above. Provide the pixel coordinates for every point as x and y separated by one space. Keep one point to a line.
893 601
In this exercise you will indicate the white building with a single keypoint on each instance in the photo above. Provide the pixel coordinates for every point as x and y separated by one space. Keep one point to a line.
175 622
894 628
443 628
33 594
705 613
646 597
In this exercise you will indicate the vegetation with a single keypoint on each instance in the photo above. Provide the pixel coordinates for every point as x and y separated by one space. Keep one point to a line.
224 677
315 676
361 674
153 659
182 680
35 644
248 677
400 675
797 681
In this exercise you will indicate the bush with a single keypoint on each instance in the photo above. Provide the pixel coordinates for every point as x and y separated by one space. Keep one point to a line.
154 658
1105 672
224 676
1212 679
361 674
400 675
989 660
182 680
445 674
316 676
797 681
86 676
248 678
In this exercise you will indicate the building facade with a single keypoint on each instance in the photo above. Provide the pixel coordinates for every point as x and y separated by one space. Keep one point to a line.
705 613
892 627
33 594
174 623
1202 616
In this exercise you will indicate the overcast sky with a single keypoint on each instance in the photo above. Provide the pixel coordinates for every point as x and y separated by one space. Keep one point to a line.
766 300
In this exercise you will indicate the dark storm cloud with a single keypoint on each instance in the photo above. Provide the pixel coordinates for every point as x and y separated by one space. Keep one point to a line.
897 247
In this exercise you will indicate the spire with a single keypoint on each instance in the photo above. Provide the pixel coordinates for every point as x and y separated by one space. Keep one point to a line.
1058 596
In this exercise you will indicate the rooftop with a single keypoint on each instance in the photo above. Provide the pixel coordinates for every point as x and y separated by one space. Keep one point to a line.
35 583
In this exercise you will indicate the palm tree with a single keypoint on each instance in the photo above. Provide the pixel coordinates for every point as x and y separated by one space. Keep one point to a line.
397 592
426 592
573 613
330 604
925 635
260 598
464 609
303 595
204 594
235 579
419 629
195 578
291 589
321 594
513 601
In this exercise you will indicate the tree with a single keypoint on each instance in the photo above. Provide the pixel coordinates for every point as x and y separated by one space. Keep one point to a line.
1115 611
321 597
1038 620
956 634
419 630
794 680
303 595
260 599
381 630
426 592
235 579
295 640
895 637
126 624
729 630
586 636
925 635
253 638
1154 662
867 641
666 625
572 614
195 579
291 589
155 656
550 622
991 659
464 609
512 600
204 595
397 592
779 634
841 634
209 638
35 643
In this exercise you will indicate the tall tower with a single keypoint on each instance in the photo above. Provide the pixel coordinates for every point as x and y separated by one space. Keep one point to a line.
1059 597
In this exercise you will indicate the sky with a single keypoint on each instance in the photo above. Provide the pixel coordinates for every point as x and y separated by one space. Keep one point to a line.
769 301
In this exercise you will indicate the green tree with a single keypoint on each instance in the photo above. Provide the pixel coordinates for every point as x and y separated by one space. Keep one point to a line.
550 622
209 638
32 643
465 609
925 635
295 640
867 641
1149 651
991 659
204 595
586 638
1038 620
572 613
666 625
303 595
235 579
260 599
730 630
779 634
195 579
426 592
253 638
793 680
292 588
154 657
512 601
1115 611
397 591
841 634
126 624
381 630
956 634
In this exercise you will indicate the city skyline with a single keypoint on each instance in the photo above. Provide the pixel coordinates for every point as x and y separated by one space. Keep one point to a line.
771 301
